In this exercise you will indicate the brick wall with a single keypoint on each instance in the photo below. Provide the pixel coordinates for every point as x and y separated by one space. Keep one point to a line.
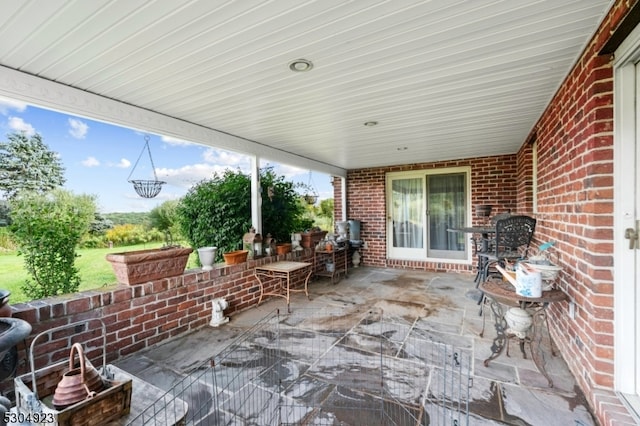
139 316
575 208
493 181
574 138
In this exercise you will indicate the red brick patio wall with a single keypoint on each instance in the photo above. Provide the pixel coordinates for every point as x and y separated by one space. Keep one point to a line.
493 181
139 316
575 208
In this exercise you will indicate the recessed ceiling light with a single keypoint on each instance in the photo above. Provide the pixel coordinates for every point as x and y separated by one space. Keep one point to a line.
300 65
371 123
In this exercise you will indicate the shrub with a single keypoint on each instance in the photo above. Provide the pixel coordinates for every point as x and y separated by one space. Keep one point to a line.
128 234
47 229
6 241
94 241
217 211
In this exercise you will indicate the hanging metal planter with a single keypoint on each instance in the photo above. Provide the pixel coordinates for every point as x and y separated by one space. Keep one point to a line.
311 197
146 188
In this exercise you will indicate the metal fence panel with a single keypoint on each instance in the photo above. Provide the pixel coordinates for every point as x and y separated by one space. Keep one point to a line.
327 367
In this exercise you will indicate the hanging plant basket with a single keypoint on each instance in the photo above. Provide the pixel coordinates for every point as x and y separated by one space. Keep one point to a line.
310 199
312 196
146 188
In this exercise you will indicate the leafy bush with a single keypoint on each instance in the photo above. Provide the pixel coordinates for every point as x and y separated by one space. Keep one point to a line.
165 219
217 211
128 234
6 241
47 229
93 241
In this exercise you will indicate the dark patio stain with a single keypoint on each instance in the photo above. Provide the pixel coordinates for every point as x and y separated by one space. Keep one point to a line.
414 300
340 323
404 280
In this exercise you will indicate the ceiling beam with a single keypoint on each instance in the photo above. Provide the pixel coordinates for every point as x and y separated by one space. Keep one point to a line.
55 96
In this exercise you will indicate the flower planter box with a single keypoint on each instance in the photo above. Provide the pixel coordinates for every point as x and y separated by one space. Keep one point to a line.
139 266
235 257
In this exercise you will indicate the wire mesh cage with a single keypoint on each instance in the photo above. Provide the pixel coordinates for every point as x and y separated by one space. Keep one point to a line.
318 367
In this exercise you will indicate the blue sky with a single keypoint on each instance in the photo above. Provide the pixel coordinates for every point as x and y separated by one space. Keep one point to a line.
99 157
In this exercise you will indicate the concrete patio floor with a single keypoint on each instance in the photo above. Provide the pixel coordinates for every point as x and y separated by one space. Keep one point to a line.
442 306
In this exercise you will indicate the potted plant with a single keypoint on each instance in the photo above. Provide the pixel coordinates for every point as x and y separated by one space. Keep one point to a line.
311 237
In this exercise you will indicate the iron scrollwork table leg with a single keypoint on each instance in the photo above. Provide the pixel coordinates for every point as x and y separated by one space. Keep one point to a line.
537 331
501 327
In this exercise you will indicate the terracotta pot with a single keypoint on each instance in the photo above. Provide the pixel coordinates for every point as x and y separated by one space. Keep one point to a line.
310 239
235 257
77 384
283 248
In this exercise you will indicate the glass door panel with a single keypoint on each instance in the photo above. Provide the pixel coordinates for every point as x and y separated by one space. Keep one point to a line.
406 230
446 208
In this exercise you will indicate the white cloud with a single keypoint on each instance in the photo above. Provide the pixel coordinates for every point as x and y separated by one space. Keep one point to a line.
17 124
7 105
189 175
123 164
226 158
289 172
77 128
90 162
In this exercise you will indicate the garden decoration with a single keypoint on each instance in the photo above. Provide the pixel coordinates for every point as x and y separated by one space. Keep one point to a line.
146 188
312 195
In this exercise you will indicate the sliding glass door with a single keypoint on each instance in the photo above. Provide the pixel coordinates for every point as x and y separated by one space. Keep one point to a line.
421 207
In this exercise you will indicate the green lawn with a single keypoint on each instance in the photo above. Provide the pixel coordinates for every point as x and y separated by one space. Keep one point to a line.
95 271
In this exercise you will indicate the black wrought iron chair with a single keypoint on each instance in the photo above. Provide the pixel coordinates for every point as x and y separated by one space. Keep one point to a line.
480 244
512 239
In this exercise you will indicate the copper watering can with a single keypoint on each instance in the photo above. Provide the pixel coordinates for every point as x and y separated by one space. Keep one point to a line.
77 384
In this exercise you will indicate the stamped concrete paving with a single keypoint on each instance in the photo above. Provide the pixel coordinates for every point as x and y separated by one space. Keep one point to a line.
433 307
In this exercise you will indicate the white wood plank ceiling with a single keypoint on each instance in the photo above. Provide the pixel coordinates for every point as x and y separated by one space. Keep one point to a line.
444 79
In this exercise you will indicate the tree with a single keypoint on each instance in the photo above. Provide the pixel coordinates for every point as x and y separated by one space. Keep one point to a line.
47 228
165 219
27 164
217 211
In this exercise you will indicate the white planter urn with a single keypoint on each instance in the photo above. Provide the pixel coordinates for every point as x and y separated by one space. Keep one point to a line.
355 259
519 321
207 257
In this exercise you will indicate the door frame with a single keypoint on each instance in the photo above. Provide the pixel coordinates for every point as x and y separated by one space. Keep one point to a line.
423 174
625 282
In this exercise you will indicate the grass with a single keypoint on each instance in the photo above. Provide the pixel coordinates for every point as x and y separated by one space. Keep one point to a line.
94 270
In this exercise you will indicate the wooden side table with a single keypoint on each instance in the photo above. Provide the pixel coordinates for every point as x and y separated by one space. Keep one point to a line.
502 293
